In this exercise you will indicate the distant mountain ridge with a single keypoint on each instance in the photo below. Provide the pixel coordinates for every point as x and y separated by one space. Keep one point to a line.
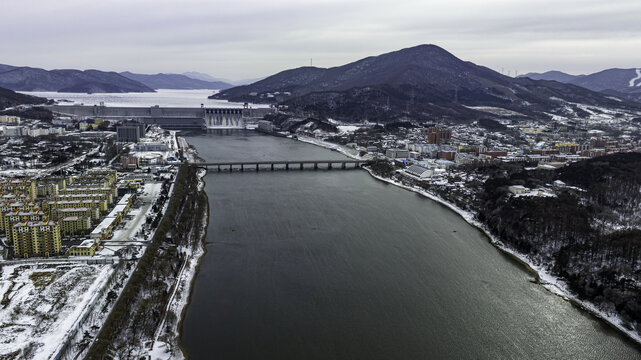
424 81
624 83
4 68
89 81
175 81
206 77
551 75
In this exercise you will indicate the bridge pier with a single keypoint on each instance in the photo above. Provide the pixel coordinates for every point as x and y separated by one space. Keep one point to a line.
256 166
343 166
242 167
218 168
301 166
272 166
329 166
286 166
230 167
315 166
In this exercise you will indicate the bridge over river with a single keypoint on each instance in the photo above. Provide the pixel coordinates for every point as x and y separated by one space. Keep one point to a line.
286 165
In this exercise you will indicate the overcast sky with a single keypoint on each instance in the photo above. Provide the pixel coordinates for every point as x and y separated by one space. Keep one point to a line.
246 39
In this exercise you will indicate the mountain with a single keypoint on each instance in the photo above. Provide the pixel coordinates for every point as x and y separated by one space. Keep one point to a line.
551 75
207 77
175 81
9 98
4 68
92 81
423 82
204 77
624 83
285 81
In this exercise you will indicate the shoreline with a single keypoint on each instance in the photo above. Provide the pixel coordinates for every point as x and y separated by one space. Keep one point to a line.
194 273
550 282
178 304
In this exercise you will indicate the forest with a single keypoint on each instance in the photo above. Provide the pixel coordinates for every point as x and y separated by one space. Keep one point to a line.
588 234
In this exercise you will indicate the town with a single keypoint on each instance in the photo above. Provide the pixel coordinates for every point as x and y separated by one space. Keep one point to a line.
81 197
80 202
435 152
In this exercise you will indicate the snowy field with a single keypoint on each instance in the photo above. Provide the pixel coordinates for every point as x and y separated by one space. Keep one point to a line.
42 302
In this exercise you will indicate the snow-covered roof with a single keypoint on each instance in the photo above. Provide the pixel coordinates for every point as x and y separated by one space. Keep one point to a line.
104 224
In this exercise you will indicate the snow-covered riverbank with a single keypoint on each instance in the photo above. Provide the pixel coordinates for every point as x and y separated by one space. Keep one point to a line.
349 152
166 344
550 282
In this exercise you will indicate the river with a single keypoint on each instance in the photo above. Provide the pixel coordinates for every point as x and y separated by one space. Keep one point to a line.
337 265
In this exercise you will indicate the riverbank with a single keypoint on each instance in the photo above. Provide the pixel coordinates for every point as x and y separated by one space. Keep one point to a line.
550 282
351 153
165 347
194 273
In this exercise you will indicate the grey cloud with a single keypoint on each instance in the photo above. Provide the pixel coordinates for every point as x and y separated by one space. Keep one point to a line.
254 38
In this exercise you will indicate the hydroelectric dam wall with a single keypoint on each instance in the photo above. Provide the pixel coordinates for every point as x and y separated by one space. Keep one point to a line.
168 117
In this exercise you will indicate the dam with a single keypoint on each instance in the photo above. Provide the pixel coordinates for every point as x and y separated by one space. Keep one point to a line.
173 118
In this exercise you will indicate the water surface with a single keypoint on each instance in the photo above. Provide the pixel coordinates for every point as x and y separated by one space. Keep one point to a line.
162 97
336 265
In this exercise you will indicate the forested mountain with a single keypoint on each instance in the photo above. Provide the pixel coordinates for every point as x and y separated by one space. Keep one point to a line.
9 98
89 81
422 81
624 83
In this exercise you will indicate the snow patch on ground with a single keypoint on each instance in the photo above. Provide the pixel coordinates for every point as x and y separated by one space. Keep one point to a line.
347 128
349 152
44 303
557 117
495 110
541 192
633 80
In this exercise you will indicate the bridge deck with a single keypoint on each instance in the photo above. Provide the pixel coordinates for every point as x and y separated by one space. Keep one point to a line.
278 162
242 165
